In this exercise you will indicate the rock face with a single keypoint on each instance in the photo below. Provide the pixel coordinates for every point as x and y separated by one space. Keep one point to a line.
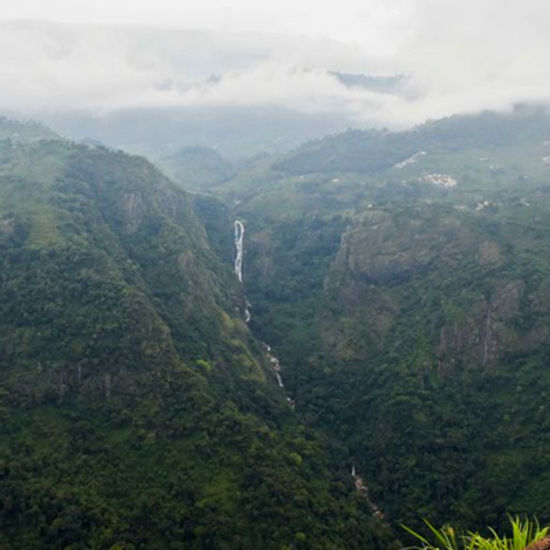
383 258
388 249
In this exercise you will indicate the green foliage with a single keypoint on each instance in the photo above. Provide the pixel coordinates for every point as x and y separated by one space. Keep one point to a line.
205 365
136 411
21 132
411 319
522 534
374 151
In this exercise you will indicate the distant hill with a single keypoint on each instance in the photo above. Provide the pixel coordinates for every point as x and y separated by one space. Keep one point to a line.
373 151
27 131
385 84
197 167
235 132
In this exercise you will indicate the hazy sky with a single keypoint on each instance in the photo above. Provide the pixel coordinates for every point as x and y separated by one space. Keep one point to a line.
458 55
365 21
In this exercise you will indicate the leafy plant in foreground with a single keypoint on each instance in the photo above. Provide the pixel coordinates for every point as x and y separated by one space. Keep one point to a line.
446 538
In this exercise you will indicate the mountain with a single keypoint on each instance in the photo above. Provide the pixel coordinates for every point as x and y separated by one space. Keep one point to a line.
402 279
374 151
383 84
197 167
235 132
138 411
27 131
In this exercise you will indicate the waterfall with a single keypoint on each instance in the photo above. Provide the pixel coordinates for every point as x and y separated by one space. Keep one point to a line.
239 234
276 366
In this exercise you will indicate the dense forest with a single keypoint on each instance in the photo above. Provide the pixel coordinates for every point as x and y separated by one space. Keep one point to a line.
138 411
402 279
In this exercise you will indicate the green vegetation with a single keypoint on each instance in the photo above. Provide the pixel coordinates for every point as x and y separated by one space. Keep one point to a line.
24 132
137 409
410 314
523 533
407 296
375 151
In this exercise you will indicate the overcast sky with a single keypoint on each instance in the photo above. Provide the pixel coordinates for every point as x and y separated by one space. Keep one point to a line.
457 55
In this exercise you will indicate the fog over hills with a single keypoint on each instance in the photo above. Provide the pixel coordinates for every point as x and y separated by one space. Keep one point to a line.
292 78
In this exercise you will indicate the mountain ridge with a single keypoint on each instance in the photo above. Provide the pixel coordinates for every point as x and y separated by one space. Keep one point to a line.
405 300
138 410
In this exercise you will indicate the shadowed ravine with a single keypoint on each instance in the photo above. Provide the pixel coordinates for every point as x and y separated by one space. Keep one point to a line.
239 248
360 485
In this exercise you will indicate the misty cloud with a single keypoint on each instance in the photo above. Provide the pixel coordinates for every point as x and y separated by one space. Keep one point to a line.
457 57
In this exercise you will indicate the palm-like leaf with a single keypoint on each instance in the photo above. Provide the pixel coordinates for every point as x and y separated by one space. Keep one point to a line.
523 534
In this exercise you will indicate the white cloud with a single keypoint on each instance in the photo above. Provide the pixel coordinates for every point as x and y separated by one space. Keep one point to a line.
459 56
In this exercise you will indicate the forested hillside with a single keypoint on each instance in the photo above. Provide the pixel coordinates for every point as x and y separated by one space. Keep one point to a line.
138 411
403 279
275 275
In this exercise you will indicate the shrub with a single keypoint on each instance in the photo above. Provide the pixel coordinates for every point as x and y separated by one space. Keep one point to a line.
446 538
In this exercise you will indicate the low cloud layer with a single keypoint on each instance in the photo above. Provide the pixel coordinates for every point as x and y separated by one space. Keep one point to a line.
456 57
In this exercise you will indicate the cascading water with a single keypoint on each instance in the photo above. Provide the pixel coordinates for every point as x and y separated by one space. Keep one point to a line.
239 234
363 490
239 238
276 366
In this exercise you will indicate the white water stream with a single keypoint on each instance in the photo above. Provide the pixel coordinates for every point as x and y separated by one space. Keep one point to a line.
239 248
239 235
363 490
275 365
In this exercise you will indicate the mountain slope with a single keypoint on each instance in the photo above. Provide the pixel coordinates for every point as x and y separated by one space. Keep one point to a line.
137 409
402 280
